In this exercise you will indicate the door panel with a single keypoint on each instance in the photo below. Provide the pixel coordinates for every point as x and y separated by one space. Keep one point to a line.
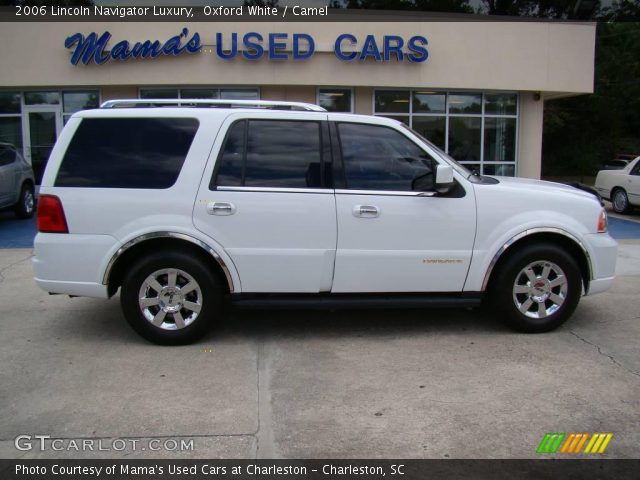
266 203
278 241
394 233
415 244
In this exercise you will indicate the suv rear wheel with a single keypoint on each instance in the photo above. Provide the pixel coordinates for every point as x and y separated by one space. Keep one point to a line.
537 288
170 298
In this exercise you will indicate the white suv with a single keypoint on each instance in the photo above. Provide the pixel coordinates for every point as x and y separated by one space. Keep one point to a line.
284 204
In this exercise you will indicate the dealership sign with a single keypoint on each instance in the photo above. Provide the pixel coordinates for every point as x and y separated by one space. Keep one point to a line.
251 46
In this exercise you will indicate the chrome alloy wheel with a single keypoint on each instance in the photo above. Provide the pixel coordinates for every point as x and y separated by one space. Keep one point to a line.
540 289
170 299
620 201
28 201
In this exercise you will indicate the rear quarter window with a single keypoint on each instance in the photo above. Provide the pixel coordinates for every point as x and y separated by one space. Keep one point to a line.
141 153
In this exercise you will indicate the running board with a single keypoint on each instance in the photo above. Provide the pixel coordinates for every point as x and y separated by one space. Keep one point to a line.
339 301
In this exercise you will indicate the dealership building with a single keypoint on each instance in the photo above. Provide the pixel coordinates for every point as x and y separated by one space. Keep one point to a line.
476 89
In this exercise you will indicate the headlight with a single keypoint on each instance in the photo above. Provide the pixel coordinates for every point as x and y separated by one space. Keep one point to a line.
602 222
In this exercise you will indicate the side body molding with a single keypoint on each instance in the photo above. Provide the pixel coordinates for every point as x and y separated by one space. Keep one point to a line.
526 233
179 236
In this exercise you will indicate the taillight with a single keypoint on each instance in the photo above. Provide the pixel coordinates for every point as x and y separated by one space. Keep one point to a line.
51 217
602 222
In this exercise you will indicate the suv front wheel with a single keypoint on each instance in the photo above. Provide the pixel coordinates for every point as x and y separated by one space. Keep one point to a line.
537 288
170 298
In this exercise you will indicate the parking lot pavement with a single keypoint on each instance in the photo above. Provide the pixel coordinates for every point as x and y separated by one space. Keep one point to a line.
432 384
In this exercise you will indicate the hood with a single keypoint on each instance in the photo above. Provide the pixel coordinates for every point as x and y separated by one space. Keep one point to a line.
542 186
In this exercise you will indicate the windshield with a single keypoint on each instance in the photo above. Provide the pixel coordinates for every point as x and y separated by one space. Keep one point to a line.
461 169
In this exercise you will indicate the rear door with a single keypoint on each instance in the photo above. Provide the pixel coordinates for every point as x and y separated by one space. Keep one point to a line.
394 233
267 201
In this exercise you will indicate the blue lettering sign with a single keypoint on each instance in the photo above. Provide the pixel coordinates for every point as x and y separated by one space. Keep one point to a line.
94 48
347 47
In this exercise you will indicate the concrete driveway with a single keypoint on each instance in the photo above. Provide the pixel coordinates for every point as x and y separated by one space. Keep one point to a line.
366 384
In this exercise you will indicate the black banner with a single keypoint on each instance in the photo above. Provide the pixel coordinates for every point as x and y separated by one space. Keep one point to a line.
240 13
318 469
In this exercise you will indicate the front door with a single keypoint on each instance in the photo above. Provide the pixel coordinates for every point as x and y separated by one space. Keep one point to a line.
42 125
267 202
392 235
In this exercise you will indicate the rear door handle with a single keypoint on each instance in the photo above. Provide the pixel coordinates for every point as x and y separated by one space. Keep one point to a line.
366 211
221 208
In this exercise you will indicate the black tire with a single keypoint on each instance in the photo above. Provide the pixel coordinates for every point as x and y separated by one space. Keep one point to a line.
176 328
620 201
26 205
515 309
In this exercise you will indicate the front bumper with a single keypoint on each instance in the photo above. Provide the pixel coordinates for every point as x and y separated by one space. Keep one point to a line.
603 251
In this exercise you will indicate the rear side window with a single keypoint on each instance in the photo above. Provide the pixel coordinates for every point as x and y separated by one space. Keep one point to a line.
145 153
271 153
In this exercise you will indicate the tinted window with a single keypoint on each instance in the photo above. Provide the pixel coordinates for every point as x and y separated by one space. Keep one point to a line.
272 153
127 152
380 158
7 155
232 157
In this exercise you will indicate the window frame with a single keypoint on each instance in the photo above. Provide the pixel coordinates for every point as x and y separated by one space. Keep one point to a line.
340 174
326 184
447 115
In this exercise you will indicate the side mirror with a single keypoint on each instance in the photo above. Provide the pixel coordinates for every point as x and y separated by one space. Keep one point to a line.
444 178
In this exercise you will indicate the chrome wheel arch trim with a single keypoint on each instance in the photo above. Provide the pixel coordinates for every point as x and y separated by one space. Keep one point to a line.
180 236
532 231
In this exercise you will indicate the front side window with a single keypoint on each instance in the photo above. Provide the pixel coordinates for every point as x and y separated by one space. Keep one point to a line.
380 158
141 153
271 153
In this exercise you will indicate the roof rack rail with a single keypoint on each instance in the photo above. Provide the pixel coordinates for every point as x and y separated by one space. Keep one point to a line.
188 102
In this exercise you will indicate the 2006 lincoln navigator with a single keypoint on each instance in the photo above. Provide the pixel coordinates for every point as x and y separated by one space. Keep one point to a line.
182 207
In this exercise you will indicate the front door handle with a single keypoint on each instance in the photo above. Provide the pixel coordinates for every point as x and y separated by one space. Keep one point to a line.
221 208
366 211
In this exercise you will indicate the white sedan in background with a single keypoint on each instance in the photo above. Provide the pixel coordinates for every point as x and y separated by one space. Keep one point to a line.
621 187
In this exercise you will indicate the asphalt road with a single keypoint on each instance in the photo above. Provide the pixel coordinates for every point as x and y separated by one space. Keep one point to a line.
432 384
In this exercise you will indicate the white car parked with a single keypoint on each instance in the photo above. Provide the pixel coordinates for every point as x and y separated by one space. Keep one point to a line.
622 187
183 207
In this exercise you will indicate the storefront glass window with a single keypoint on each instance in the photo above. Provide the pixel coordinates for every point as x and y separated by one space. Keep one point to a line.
429 102
75 101
499 139
10 102
11 131
335 99
500 104
392 101
465 103
432 127
477 129
464 138
159 93
42 98
201 93
240 94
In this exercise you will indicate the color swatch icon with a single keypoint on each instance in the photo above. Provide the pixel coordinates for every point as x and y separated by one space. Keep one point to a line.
573 443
